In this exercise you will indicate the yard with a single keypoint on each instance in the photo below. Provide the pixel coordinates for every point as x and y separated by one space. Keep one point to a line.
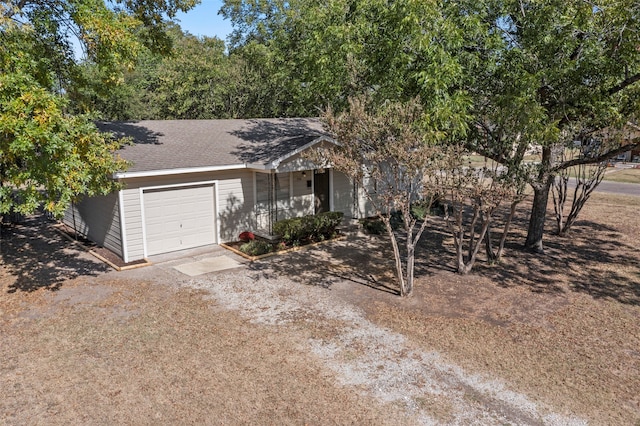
319 337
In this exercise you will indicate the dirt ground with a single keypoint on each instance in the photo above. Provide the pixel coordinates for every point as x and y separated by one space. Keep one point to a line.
319 336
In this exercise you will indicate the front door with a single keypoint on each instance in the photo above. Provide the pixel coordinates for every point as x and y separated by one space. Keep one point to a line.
321 190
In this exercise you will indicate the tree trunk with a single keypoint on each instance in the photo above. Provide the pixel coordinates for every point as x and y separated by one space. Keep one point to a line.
505 232
397 256
410 267
538 215
466 268
559 189
488 245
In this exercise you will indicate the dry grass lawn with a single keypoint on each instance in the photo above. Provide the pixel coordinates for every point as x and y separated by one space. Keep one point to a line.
80 345
564 326
119 352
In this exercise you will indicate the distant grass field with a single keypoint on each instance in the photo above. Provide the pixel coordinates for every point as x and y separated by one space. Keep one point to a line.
623 175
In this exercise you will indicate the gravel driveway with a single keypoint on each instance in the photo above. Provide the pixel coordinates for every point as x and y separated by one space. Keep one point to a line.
362 355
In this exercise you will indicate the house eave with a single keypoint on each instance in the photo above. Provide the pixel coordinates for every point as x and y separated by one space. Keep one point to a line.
185 170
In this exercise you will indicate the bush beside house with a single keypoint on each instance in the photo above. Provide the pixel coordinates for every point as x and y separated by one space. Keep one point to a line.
256 247
308 229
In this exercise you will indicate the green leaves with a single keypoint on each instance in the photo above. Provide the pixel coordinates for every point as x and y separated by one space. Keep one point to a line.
48 158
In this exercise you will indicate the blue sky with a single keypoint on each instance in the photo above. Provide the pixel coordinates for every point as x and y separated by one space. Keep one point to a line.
203 20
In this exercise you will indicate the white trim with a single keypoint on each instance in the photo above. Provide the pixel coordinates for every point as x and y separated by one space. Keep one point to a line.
255 200
291 189
313 191
275 163
123 228
216 214
331 190
144 225
178 185
168 172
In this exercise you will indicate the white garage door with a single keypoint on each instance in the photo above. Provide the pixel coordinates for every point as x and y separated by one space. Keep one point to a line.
179 218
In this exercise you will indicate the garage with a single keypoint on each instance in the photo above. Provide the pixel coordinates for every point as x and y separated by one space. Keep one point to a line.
179 218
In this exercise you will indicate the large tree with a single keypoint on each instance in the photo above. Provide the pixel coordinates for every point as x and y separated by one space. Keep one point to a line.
333 50
549 75
199 79
49 156
538 74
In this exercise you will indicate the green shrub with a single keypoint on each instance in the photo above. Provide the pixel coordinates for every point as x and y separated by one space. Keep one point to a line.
373 225
308 228
421 209
256 247
397 221
327 223
290 230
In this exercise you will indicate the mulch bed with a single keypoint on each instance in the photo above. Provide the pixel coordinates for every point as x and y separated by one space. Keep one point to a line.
102 253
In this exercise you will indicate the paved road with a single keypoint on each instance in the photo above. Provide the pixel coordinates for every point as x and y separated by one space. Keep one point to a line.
615 187
619 188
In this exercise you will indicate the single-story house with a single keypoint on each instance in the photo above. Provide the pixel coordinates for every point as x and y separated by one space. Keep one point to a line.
198 182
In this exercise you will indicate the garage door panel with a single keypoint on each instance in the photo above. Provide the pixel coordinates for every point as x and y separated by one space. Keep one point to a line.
179 218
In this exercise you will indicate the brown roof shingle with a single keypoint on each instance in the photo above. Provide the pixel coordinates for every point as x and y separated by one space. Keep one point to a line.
183 144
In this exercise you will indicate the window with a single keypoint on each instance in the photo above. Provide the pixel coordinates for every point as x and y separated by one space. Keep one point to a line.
283 194
262 191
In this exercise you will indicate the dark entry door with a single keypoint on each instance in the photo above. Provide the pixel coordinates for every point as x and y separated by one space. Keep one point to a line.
321 191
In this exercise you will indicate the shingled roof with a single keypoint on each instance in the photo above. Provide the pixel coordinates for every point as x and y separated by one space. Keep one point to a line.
166 145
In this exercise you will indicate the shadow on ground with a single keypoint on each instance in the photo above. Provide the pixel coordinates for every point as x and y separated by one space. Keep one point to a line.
33 256
351 260
365 260
592 260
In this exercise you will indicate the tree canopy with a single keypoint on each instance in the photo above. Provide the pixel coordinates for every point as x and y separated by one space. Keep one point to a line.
199 79
549 75
340 49
507 77
48 155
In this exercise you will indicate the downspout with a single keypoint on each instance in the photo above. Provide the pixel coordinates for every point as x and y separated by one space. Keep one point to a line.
272 207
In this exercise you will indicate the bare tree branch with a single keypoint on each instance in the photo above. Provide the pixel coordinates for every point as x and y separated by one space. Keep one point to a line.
635 144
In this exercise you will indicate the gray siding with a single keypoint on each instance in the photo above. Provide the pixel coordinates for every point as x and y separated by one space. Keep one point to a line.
343 194
235 204
296 163
301 195
364 207
132 211
98 219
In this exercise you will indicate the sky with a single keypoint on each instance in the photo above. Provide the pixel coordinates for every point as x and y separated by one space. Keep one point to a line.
203 20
